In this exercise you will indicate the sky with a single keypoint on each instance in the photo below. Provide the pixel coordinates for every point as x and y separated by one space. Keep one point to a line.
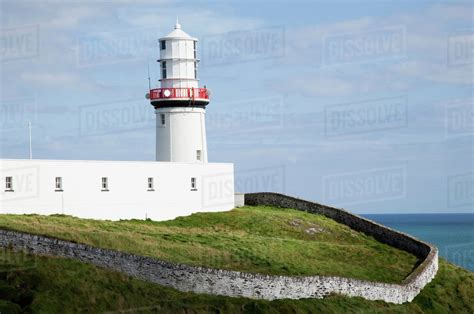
363 105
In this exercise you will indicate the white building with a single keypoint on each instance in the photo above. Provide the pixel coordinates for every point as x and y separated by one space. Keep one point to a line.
178 183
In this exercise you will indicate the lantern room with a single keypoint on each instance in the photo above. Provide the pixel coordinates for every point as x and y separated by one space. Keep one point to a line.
178 65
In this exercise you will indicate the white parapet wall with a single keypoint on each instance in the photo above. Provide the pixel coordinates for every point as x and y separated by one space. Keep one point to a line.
239 199
127 196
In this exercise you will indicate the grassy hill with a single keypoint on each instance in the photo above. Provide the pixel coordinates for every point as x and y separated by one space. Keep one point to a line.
263 239
252 239
52 285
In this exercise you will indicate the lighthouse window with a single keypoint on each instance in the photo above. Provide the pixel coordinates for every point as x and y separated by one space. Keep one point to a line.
105 184
163 119
195 54
150 184
198 154
8 183
58 182
193 184
195 70
163 69
163 45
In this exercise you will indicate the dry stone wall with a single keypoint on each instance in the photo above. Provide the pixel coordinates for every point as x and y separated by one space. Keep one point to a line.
426 252
239 284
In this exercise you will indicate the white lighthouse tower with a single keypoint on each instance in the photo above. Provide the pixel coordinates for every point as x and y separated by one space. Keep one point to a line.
179 103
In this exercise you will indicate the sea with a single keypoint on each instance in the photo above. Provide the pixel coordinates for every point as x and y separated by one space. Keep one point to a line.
453 234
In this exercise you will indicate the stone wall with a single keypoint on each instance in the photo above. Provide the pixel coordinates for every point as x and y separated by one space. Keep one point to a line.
239 284
412 285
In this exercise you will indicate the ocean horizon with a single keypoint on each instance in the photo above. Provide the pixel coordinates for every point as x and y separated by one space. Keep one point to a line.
453 234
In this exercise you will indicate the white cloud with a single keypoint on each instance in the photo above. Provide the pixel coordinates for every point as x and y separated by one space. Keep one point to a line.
70 16
49 78
310 85
453 11
426 38
436 72
202 21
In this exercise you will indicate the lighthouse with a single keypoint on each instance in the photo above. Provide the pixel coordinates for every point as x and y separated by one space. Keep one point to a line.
179 102
182 183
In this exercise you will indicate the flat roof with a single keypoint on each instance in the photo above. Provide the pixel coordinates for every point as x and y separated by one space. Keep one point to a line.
116 161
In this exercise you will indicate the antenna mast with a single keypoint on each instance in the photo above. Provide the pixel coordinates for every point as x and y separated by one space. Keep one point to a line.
29 135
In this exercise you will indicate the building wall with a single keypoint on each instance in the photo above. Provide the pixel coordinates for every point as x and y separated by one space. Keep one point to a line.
182 135
128 196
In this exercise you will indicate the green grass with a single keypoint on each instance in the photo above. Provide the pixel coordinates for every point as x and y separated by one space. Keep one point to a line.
252 239
34 284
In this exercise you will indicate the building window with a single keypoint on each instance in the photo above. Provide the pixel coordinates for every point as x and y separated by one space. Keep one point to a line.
163 119
9 184
58 183
163 45
195 50
163 69
193 184
195 70
198 154
105 184
150 184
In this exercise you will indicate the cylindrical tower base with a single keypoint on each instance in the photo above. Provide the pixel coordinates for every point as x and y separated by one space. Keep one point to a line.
181 134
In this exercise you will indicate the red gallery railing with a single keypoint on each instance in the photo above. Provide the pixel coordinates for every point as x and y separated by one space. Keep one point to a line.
179 93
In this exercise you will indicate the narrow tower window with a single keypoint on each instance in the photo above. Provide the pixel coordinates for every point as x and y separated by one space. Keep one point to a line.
8 183
163 45
198 154
163 69
195 51
150 184
163 119
195 70
105 184
193 184
58 183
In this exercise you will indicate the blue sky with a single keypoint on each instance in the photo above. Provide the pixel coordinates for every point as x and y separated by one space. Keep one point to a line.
362 105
